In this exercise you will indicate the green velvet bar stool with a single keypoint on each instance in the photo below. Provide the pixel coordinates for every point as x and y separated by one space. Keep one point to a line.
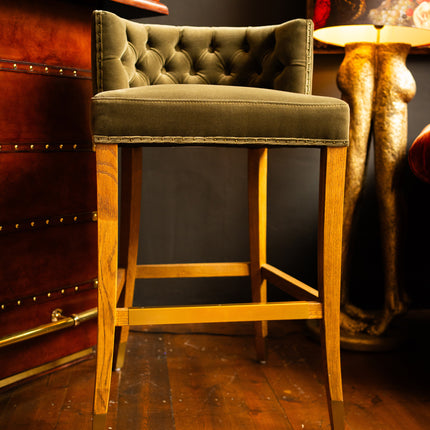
249 87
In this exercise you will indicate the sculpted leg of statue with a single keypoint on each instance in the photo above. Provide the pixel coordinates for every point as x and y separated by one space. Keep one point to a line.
356 80
395 88
377 85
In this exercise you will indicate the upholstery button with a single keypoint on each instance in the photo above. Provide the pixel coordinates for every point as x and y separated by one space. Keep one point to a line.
245 46
212 47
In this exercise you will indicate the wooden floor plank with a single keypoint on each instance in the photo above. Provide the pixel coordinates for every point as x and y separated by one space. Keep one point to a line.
205 377
34 406
215 381
54 401
145 398
298 385
75 401
112 418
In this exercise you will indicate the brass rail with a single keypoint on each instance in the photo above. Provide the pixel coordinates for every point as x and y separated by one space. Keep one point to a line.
59 322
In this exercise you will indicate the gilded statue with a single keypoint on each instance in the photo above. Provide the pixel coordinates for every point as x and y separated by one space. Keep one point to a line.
377 85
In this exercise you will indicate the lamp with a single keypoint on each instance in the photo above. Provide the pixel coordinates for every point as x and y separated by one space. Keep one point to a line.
375 81
341 35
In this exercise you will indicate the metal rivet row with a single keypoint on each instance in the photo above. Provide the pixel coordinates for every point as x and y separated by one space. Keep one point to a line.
50 295
24 147
45 69
48 222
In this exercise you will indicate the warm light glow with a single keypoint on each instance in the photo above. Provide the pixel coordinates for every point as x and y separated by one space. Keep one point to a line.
343 34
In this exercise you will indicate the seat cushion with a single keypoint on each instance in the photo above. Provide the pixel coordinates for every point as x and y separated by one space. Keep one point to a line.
180 114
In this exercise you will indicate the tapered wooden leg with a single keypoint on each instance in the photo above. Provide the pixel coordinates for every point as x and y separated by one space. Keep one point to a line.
107 208
329 274
257 201
131 190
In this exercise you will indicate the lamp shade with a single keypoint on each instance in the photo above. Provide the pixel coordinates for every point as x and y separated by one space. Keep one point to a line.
374 21
340 35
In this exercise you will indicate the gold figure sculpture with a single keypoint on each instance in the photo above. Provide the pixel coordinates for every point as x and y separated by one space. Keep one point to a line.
377 85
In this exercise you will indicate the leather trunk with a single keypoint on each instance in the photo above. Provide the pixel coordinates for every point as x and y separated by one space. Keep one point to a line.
48 228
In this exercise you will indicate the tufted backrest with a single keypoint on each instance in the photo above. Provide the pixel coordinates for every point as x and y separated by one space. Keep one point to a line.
129 54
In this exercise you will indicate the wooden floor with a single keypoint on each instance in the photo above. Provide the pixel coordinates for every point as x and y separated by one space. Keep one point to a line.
204 377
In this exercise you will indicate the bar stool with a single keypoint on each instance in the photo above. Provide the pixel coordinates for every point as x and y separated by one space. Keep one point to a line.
249 87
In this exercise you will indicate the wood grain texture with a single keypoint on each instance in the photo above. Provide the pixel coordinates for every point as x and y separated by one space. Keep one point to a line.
191 270
107 206
257 210
131 193
329 253
120 282
287 283
332 180
221 313
220 375
178 377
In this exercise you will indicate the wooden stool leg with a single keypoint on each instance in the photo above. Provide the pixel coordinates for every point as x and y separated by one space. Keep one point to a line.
107 208
257 201
131 190
329 272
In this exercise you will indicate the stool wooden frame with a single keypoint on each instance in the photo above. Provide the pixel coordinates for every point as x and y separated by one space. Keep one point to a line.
116 285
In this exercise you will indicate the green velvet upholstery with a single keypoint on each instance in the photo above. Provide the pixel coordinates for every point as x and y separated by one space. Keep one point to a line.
169 85
165 85
217 114
130 54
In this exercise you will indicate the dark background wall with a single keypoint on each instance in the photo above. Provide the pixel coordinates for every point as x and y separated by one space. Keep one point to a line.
195 204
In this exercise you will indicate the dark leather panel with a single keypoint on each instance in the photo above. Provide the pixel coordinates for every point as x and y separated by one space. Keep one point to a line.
44 185
34 352
45 104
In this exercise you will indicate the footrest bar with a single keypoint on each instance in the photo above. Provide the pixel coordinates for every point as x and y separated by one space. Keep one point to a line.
191 270
219 313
